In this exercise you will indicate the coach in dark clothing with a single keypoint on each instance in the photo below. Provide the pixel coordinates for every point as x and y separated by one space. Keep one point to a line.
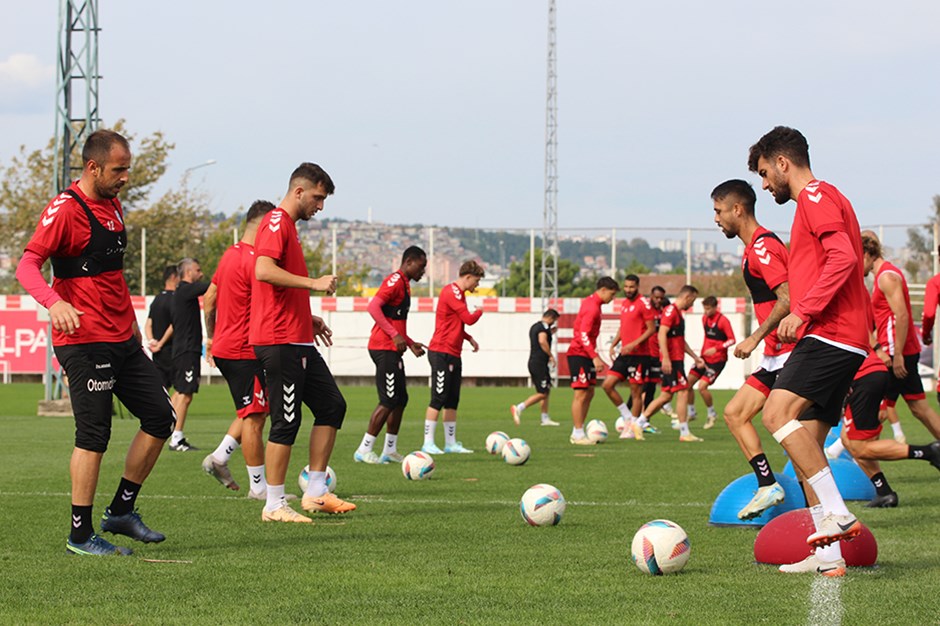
187 345
159 327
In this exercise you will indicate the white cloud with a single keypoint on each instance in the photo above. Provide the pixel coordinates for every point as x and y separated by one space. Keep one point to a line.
26 85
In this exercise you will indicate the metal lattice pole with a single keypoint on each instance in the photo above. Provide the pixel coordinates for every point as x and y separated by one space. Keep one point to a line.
549 287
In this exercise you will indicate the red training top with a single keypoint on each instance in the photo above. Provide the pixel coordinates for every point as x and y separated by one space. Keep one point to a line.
587 326
452 315
634 314
718 335
764 265
232 279
654 340
392 299
931 298
885 319
675 339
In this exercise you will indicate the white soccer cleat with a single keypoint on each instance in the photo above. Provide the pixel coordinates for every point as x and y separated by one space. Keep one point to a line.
766 497
369 458
549 422
514 410
834 528
812 564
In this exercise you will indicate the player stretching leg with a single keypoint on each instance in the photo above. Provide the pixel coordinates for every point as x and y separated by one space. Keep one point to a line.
719 336
764 266
540 360
444 357
387 343
631 362
829 314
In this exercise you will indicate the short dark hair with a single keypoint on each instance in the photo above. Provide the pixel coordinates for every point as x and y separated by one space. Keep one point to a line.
98 145
258 209
412 252
313 173
633 278
737 190
871 246
169 272
782 140
688 289
710 301
471 268
606 282
551 313
659 289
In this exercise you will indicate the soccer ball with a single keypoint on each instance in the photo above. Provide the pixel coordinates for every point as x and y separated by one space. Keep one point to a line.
660 547
304 478
596 431
495 442
542 505
417 466
620 424
516 451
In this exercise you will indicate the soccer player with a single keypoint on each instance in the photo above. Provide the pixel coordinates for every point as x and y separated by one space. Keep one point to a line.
674 347
387 343
227 308
97 340
159 326
931 300
187 346
583 360
897 344
654 375
444 357
284 334
631 362
540 360
764 265
830 315
719 336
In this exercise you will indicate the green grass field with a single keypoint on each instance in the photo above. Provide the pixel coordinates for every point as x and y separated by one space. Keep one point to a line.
452 549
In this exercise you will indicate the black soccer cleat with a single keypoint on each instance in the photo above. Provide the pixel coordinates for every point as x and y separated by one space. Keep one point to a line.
887 501
130 525
933 454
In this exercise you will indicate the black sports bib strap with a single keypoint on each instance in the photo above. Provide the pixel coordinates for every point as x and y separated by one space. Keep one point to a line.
104 252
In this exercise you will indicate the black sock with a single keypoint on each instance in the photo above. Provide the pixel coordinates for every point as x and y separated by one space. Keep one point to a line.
882 488
82 528
124 498
918 452
761 467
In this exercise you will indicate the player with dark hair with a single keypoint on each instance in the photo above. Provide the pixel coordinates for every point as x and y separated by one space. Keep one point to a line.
97 340
674 347
830 316
654 375
284 334
719 336
764 265
187 346
540 360
227 309
583 360
387 343
160 324
631 361
444 352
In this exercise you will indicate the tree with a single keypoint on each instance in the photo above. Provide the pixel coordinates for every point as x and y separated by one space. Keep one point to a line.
570 283
920 246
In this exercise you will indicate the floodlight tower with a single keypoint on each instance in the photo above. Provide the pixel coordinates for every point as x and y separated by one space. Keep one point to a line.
76 111
550 212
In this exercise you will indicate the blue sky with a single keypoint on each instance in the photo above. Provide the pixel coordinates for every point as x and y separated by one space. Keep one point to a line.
433 112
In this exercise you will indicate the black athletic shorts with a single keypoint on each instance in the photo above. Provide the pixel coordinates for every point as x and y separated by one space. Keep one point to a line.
820 372
911 387
541 376
446 377
187 372
164 362
99 371
655 372
710 372
676 381
863 404
390 378
245 378
582 370
631 368
762 380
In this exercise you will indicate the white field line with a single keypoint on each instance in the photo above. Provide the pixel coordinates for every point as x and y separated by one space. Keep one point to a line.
825 602
366 498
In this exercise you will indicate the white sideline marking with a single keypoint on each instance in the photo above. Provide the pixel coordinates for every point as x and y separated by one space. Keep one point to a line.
825 602
363 498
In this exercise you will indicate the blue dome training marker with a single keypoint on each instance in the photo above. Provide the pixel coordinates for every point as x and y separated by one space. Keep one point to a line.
739 492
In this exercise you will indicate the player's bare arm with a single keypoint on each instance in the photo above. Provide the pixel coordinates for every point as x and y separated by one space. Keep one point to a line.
613 345
892 287
417 349
664 349
209 308
268 271
322 332
546 348
688 350
781 308
65 317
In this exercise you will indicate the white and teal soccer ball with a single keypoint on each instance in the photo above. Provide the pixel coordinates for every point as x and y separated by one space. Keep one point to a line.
516 451
495 442
620 424
596 431
542 505
660 547
417 466
304 478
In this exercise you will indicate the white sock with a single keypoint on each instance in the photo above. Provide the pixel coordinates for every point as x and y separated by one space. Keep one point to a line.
256 481
832 552
224 452
367 442
642 421
667 408
429 427
275 498
450 433
693 412
577 433
623 410
896 427
712 412
391 444
520 408
835 449
316 487
684 429
546 417
176 436
826 490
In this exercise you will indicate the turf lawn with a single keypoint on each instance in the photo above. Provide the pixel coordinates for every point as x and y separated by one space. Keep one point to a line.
452 549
